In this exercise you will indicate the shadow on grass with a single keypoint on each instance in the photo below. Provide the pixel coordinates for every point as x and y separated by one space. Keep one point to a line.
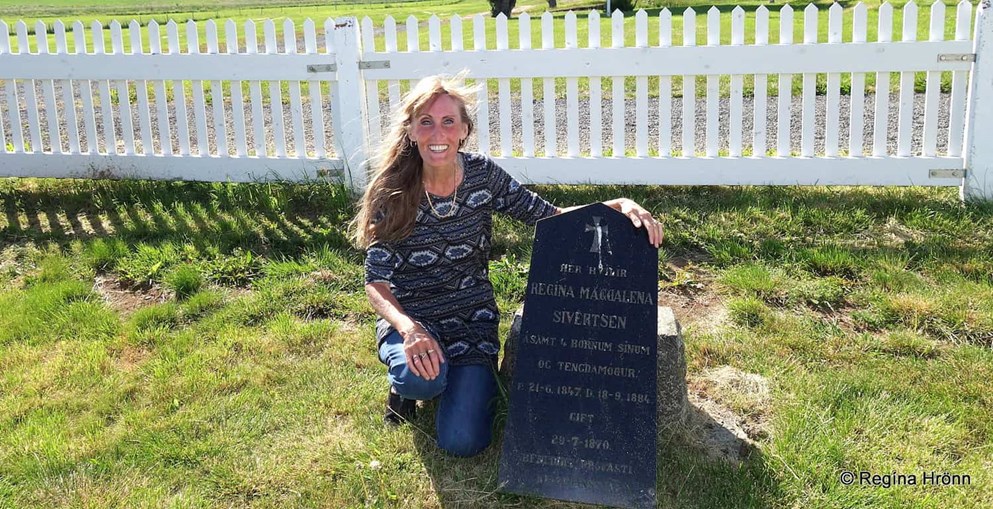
272 220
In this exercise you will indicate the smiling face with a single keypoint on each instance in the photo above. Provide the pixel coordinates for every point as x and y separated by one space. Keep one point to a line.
438 129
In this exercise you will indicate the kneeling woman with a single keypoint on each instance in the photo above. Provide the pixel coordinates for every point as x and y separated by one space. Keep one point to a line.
425 221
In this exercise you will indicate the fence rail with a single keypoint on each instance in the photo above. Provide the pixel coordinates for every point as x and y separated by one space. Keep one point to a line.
256 106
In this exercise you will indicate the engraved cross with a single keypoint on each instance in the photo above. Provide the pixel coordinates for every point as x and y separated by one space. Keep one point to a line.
598 235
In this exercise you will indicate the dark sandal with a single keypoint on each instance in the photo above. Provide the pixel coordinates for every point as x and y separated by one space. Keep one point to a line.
399 409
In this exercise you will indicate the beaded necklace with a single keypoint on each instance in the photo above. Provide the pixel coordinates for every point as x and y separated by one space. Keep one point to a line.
451 211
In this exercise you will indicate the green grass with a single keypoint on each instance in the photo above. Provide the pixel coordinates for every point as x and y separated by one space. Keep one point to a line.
255 383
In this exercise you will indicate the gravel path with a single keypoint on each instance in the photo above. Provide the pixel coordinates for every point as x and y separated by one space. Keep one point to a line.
560 122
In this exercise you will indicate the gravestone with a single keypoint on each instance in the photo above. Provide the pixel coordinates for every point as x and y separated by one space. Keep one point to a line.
582 419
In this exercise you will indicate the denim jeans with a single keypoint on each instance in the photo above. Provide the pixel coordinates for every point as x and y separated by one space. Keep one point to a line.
465 411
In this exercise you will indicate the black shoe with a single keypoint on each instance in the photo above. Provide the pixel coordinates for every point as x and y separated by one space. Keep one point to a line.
399 409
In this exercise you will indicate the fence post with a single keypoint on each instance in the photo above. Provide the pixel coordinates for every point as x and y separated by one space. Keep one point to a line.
978 182
348 96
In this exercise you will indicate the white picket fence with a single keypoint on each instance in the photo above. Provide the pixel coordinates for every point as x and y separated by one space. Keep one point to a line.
219 132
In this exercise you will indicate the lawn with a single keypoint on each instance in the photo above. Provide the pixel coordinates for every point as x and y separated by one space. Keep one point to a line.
209 345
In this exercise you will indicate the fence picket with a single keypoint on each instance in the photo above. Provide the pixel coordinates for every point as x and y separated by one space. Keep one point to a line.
255 88
906 119
930 143
832 113
275 93
617 87
30 96
390 36
880 120
199 105
371 92
123 94
13 106
68 95
48 92
641 88
434 33
596 96
141 89
737 86
217 96
237 100
527 89
106 110
713 85
809 90
3 133
760 94
330 43
483 107
316 103
503 86
665 88
956 110
689 88
785 87
296 104
572 91
161 106
856 122
548 87
86 92
413 39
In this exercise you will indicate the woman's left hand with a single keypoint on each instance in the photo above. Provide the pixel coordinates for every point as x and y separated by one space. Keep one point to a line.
639 217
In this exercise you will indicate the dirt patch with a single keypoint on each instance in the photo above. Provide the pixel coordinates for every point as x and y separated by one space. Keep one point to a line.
126 299
688 292
730 412
699 311
131 356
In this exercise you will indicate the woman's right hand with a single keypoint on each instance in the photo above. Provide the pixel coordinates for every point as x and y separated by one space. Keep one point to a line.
424 354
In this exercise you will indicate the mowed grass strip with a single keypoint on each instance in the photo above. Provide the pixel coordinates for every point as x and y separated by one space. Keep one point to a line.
209 345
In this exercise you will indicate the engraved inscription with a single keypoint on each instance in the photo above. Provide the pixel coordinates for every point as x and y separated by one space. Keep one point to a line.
629 348
600 320
589 465
593 369
579 442
607 271
612 295
581 417
577 391
593 293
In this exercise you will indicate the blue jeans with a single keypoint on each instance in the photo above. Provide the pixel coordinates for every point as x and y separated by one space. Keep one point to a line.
465 412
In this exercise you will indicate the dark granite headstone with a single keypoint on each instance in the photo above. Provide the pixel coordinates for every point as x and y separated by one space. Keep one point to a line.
582 420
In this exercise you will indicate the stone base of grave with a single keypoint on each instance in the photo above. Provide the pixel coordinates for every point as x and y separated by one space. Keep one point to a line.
673 401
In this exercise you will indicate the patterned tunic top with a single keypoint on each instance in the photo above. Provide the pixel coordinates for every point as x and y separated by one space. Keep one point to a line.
439 274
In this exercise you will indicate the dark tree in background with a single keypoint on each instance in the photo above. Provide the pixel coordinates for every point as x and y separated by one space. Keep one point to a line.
504 6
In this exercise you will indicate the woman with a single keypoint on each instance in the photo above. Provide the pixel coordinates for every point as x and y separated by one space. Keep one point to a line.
426 221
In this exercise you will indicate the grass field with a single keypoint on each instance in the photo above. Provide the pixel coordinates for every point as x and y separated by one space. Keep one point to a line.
209 345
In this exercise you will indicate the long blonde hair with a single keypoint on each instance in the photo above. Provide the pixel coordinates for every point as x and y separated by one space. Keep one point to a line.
388 207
